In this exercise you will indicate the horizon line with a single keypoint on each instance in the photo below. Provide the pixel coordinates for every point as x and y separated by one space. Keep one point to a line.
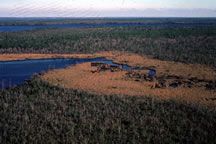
109 17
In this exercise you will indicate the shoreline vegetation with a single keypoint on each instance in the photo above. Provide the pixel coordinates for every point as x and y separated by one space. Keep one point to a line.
188 45
190 84
25 56
51 109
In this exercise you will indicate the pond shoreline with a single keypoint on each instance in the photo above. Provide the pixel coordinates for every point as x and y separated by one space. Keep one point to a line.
87 78
27 56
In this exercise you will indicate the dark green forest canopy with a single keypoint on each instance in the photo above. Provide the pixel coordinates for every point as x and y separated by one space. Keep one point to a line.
189 45
48 21
39 113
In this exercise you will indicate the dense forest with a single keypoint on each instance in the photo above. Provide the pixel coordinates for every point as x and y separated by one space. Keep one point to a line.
39 113
47 21
189 45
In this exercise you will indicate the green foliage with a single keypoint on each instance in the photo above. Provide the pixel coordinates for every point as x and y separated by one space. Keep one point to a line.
47 21
39 113
189 45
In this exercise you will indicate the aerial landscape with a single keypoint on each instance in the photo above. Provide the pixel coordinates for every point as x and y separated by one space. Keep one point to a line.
108 72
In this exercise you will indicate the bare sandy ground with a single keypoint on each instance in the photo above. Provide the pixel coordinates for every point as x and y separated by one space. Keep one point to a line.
109 83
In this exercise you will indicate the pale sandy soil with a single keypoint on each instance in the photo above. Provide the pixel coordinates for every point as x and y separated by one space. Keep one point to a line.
108 83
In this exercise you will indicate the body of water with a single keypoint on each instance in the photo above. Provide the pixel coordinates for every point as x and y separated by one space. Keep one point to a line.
13 73
101 25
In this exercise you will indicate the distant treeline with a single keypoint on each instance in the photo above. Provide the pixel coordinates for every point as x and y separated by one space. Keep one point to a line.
189 45
47 21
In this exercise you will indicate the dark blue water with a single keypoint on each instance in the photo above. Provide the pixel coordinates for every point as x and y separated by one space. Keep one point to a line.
13 73
101 25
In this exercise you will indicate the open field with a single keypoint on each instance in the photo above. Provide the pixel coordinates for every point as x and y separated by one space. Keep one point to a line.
107 82
120 83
